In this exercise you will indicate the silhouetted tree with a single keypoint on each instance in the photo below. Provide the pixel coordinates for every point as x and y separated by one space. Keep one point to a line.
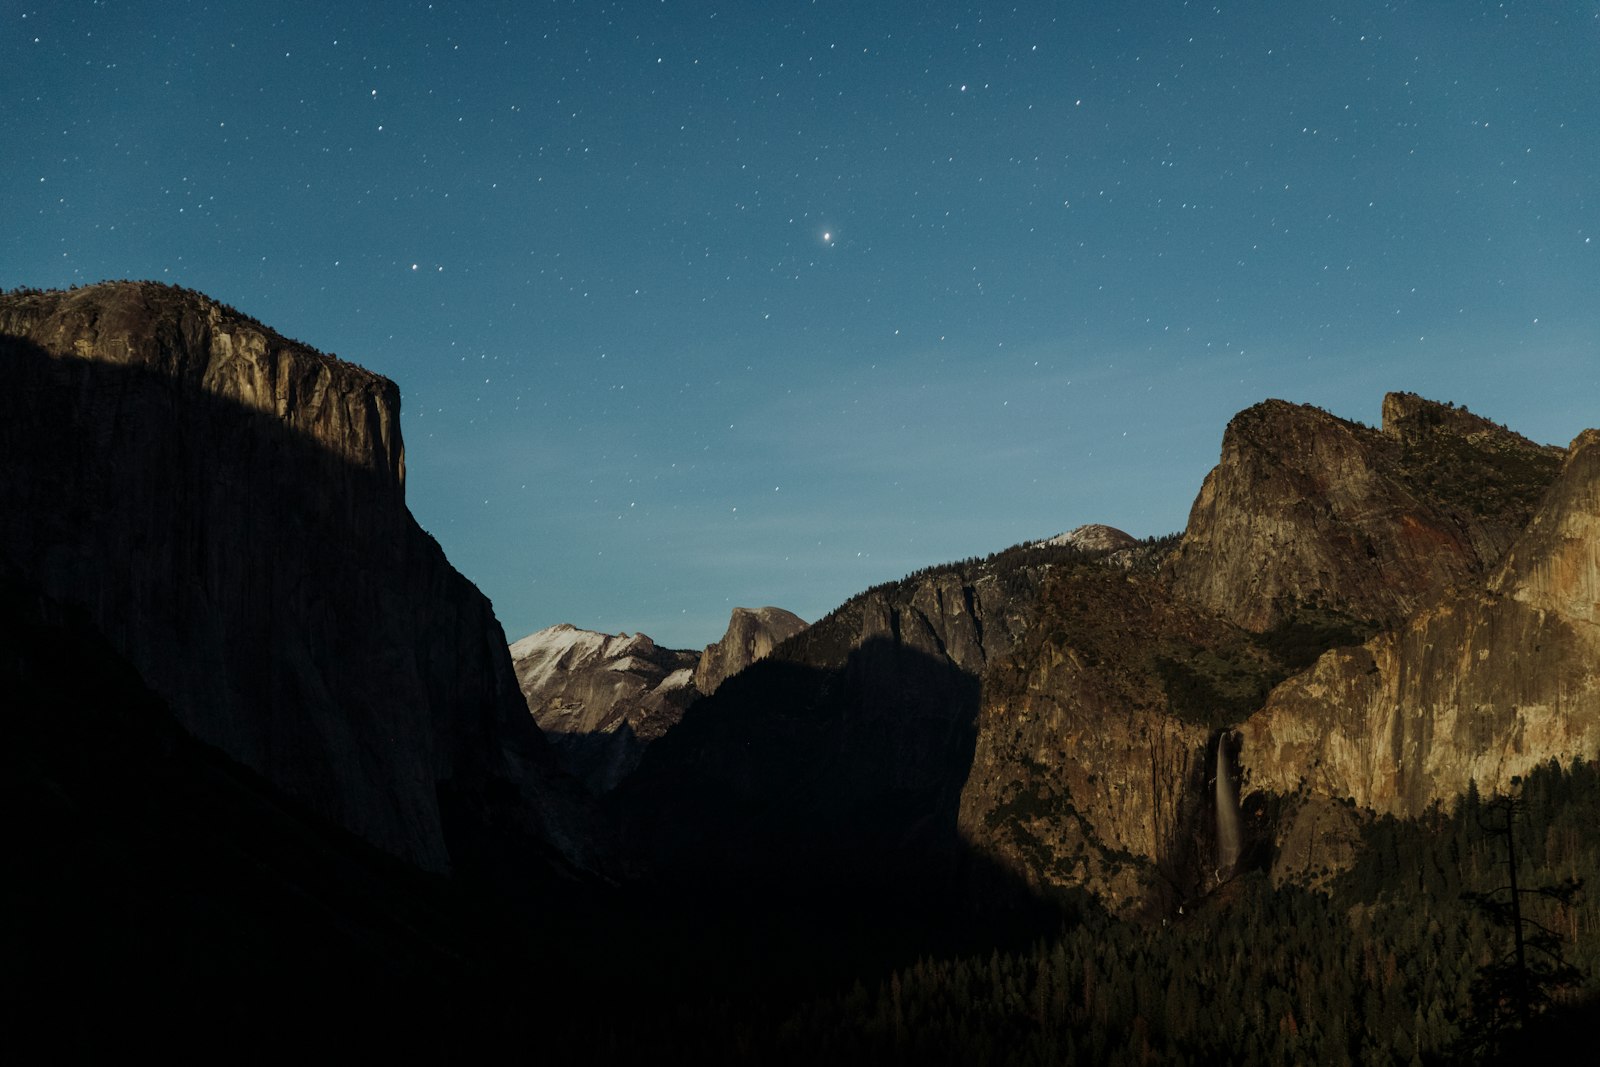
1511 991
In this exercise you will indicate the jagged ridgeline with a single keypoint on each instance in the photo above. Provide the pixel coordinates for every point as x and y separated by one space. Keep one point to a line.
1255 737
1050 708
970 712
602 699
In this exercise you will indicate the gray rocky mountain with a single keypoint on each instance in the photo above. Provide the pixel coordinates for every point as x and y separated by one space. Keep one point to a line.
1091 537
752 634
602 699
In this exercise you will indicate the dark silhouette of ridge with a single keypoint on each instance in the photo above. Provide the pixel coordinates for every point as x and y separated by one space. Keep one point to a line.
787 763
280 599
820 805
176 893
161 894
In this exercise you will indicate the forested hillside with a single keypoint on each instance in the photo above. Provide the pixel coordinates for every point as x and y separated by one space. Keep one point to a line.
1381 969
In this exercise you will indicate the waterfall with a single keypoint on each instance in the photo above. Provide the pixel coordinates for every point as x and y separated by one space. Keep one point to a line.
1228 832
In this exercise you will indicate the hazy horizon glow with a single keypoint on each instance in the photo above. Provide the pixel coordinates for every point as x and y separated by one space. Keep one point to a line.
695 305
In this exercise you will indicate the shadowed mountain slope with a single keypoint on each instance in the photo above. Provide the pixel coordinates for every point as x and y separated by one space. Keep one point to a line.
228 508
602 699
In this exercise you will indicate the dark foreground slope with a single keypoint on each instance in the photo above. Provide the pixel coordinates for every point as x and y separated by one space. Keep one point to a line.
160 894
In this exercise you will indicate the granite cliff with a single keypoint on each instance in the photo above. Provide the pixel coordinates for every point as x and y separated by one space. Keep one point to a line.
1309 511
228 507
1096 741
1479 686
752 634
1093 735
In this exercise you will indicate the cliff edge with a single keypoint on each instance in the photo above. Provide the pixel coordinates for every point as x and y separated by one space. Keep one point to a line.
228 507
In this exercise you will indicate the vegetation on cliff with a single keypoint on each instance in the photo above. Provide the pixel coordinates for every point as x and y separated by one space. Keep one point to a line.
1450 454
1378 970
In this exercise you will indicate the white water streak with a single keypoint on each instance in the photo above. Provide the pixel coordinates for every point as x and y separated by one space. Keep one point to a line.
1228 831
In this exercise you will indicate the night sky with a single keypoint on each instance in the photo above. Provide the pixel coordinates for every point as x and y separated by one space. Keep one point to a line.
696 304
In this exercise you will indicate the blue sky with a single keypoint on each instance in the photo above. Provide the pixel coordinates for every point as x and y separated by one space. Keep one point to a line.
695 305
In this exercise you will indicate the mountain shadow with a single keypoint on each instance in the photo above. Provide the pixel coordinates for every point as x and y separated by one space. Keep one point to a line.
270 587
175 895
821 805
790 767
159 893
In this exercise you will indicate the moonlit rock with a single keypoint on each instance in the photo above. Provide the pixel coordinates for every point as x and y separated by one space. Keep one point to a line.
601 699
1093 537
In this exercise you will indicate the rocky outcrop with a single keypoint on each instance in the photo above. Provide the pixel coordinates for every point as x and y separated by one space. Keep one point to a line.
1308 510
228 507
1479 687
1094 733
1091 537
601 698
752 634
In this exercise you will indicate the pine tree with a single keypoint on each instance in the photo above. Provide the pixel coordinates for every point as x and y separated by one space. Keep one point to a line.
1512 990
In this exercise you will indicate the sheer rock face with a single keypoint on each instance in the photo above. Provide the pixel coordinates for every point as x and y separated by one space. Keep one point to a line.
1083 751
1481 686
229 507
1078 756
1308 509
600 699
752 634
948 618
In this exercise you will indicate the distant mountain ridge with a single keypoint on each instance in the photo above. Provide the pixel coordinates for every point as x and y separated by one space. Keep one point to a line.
1353 614
602 699
751 635
1091 537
